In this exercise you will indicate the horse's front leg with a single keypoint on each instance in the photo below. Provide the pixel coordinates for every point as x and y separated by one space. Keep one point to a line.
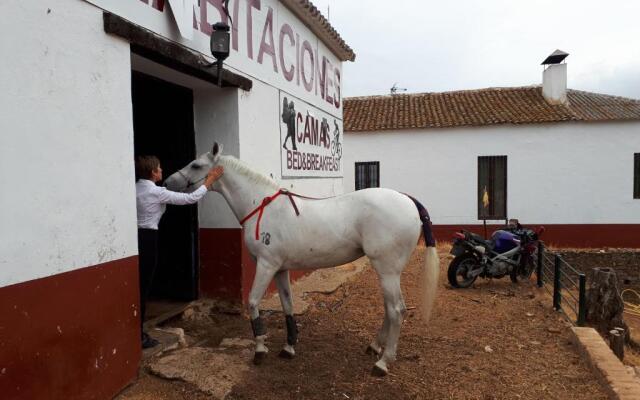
284 291
264 274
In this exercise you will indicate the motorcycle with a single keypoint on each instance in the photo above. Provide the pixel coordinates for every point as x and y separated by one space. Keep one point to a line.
511 251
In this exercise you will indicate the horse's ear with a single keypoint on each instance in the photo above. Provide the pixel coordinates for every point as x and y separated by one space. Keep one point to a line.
217 150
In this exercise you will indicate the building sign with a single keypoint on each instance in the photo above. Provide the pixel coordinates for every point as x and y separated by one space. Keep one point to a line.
268 42
310 140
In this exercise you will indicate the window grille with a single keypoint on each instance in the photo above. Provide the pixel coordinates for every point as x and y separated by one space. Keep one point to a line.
367 174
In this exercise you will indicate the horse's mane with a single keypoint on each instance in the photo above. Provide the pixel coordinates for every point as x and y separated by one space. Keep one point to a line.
243 169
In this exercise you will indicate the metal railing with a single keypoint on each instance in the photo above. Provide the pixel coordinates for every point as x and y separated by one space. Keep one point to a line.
569 285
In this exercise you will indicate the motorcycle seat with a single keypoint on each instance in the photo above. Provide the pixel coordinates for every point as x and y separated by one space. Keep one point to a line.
477 238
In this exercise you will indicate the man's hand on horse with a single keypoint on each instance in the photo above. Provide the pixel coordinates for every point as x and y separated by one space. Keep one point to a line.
213 175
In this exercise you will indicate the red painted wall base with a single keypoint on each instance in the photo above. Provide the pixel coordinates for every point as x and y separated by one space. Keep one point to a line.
564 235
221 264
74 335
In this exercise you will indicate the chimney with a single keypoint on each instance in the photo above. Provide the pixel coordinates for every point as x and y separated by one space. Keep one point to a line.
554 78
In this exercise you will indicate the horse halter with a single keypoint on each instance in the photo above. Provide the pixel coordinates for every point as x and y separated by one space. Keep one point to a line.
189 183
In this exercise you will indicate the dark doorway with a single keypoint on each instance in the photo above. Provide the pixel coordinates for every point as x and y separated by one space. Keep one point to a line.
163 126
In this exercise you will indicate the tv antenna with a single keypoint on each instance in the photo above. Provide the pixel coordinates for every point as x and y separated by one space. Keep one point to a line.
394 89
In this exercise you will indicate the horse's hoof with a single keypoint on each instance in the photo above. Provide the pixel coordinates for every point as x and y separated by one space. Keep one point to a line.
259 357
285 354
371 351
377 371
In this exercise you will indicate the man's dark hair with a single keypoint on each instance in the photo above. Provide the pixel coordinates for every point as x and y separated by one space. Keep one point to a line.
145 165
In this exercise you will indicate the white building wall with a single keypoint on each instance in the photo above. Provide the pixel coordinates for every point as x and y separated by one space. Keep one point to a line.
562 173
66 153
67 199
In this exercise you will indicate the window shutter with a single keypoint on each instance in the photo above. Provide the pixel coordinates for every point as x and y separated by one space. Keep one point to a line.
367 174
492 187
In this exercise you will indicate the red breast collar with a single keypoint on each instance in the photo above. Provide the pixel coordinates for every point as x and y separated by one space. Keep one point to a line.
265 202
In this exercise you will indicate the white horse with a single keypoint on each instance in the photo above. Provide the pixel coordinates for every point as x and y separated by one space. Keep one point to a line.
290 232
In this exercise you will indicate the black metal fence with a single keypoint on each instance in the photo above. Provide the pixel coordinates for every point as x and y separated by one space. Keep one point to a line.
568 285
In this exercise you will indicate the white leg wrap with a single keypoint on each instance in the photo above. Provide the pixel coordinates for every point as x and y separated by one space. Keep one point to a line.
289 349
260 346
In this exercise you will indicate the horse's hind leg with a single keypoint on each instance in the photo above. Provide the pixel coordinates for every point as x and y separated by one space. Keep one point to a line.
264 274
376 345
284 291
394 310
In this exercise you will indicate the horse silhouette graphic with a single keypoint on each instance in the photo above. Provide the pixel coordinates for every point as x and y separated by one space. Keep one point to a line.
324 133
289 118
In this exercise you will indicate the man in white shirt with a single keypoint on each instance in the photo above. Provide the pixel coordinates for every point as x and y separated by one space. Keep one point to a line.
151 201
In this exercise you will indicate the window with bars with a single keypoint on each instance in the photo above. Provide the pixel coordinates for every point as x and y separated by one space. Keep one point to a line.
367 174
492 187
636 176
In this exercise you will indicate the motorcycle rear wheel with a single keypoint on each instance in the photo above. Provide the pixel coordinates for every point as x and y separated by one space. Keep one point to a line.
458 269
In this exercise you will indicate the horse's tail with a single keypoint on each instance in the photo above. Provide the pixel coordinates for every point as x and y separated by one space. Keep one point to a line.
431 270
429 282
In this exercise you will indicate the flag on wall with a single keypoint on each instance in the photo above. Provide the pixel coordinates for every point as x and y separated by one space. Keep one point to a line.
485 198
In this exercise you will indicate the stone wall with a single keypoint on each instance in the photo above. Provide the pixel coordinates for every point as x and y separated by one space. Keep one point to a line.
626 263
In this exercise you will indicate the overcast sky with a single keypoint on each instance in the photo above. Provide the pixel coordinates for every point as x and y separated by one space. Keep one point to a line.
433 46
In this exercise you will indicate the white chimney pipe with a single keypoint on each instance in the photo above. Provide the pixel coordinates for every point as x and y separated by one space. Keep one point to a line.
554 83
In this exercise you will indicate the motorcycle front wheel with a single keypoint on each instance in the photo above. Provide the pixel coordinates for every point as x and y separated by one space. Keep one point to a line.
520 274
458 270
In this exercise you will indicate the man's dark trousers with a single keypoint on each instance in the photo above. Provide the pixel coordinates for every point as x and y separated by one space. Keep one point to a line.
148 260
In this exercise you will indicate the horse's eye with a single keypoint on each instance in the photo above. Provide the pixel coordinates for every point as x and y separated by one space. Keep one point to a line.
195 166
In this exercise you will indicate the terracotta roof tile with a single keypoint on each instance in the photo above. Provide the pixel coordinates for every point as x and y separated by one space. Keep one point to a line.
518 105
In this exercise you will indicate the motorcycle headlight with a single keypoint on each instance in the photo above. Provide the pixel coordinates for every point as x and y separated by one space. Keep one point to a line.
480 249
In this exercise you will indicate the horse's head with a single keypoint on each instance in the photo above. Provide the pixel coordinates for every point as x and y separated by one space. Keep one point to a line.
193 174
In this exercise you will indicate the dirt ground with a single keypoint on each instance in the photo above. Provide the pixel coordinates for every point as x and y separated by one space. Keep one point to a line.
492 341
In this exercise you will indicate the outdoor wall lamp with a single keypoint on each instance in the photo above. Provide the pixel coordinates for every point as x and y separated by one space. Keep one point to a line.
220 40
